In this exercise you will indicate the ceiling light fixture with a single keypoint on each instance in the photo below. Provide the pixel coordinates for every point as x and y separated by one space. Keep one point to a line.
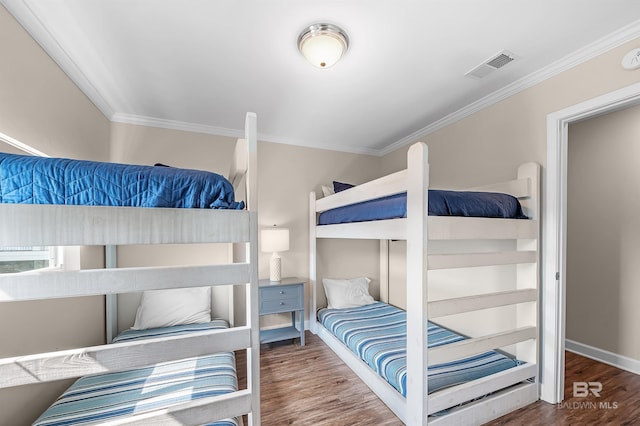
323 44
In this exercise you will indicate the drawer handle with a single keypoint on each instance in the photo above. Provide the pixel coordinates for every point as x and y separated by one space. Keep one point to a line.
281 303
281 291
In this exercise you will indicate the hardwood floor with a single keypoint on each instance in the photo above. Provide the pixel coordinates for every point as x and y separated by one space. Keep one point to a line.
310 385
618 403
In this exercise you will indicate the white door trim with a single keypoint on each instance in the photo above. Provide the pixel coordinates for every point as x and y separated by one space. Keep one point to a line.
554 232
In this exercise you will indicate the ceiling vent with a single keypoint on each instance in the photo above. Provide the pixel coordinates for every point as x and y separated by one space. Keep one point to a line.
495 62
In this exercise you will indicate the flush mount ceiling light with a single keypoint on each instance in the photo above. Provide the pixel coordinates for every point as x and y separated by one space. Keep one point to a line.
323 44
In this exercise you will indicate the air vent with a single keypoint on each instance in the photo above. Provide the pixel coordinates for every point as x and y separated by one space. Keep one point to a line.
495 62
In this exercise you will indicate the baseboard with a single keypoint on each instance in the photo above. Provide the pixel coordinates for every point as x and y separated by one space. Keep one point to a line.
618 361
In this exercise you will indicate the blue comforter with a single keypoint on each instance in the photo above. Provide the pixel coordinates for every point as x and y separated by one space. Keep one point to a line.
39 180
441 203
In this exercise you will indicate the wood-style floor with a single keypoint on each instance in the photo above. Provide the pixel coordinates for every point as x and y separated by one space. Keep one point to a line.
618 403
310 385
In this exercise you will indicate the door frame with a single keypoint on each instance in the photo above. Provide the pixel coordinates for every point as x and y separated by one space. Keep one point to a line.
554 230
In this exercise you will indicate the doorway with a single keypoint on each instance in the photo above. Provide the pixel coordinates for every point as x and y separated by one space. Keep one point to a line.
554 230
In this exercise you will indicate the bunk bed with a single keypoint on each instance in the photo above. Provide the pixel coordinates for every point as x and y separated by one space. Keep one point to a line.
416 391
183 374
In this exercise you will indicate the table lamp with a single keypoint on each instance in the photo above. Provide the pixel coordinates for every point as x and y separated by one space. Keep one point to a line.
275 240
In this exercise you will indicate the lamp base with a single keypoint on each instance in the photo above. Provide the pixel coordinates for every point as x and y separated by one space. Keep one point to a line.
275 268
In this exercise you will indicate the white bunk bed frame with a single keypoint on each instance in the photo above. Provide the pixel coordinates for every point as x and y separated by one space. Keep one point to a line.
59 225
510 389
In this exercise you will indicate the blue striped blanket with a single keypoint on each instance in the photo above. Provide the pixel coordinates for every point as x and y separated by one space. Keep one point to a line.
377 333
114 396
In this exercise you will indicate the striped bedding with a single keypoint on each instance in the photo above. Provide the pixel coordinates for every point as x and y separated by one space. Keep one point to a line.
112 396
377 333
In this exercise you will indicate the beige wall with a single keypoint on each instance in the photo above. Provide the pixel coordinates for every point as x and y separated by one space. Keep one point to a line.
489 145
603 232
41 107
150 145
10 149
287 175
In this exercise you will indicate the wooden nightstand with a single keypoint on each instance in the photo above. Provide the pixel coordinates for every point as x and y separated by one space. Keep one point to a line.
281 297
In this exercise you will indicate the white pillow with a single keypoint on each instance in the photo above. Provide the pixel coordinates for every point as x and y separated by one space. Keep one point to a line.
327 190
347 293
164 308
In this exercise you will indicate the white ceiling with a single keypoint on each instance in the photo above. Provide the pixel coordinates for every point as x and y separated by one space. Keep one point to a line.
201 64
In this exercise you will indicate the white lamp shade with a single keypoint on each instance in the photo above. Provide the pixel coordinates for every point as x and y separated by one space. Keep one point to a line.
274 239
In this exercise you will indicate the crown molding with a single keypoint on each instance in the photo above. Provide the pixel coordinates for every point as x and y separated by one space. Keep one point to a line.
349 149
234 133
139 120
603 45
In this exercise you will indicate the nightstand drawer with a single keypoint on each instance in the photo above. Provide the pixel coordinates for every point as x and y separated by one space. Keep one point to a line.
281 292
280 305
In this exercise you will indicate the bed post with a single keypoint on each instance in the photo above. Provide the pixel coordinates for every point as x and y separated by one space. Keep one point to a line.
111 300
384 271
313 296
253 321
528 274
417 201
250 163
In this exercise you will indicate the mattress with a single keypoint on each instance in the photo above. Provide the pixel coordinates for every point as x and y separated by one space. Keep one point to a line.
377 333
441 203
113 396
39 180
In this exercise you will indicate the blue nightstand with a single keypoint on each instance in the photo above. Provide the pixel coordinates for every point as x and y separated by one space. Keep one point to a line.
282 297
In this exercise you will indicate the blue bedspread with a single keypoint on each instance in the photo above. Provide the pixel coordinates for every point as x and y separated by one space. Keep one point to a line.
39 180
377 333
441 203
115 396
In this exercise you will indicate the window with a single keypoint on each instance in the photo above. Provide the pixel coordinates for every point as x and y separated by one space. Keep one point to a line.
20 259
